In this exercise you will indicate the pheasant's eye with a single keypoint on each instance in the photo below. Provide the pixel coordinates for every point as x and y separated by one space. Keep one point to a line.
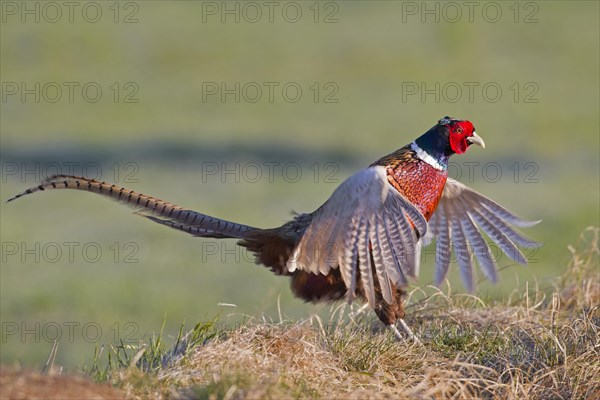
459 130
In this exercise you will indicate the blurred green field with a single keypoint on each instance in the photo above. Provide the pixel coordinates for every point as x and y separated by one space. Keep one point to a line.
547 152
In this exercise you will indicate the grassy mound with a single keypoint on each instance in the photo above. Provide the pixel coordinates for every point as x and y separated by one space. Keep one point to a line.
536 345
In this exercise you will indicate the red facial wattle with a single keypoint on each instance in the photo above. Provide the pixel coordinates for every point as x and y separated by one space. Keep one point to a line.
459 134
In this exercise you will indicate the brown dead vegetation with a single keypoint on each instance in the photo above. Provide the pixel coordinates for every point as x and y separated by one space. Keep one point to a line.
538 344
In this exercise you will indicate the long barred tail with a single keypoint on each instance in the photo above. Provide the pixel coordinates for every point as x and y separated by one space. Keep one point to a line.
157 210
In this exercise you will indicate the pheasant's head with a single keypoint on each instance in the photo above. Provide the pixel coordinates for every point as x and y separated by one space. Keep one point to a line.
449 136
461 134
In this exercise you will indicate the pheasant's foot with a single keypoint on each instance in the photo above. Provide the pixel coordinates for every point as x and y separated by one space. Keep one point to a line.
396 332
407 330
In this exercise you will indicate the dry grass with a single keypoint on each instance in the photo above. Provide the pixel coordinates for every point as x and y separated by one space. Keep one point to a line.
24 385
539 345
536 345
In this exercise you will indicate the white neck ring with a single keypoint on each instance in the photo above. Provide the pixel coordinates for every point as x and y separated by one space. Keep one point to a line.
425 156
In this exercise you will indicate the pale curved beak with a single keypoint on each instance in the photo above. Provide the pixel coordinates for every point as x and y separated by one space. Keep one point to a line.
476 139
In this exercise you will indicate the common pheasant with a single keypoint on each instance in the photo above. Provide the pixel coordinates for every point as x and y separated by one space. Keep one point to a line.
365 241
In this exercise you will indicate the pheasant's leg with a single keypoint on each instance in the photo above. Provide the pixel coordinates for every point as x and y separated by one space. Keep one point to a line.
389 314
410 334
396 332
401 337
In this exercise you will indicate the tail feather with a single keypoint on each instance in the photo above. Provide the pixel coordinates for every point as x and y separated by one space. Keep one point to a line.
156 210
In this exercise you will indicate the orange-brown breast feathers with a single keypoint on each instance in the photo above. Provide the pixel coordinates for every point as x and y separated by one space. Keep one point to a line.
419 182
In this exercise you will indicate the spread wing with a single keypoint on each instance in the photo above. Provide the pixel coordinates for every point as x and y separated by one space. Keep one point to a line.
367 229
457 223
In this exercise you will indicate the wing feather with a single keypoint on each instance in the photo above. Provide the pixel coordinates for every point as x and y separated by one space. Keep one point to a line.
381 267
364 262
506 229
463 254
502 212
480 248
348 259
499 237
409 239
388 256
395 241
456 223
443 249
370 231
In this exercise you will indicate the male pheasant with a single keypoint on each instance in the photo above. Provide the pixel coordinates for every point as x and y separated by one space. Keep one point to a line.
365 240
